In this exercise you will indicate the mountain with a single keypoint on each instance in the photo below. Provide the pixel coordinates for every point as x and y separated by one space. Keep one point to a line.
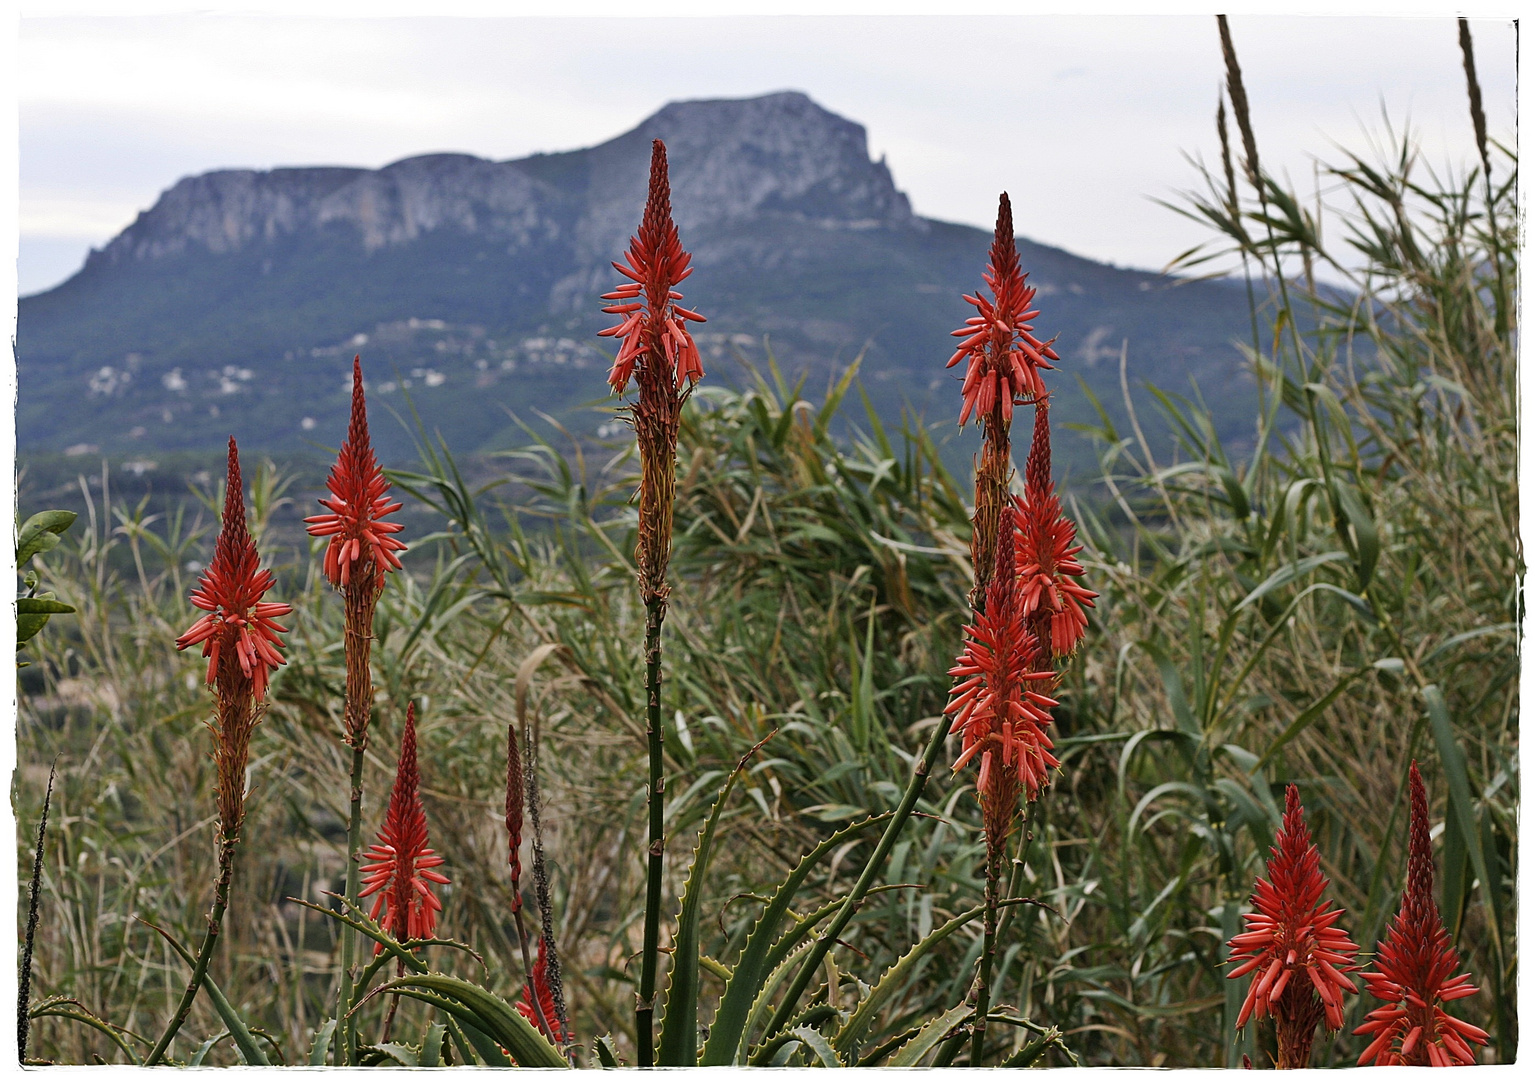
236 302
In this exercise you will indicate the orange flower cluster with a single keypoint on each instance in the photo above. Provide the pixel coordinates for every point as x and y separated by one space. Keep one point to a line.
1413 968
359 501
1029 603
1047 566
402 862
1004 355
996 714
238 621
655 326
545 992
1293 944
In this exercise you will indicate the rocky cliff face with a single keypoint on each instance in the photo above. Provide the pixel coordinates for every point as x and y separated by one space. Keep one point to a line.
236 303
731 160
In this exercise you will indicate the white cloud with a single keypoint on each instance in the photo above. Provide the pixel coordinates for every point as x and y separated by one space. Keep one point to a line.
67 216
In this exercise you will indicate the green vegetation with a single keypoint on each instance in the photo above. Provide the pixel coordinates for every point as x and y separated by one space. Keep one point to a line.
1340 598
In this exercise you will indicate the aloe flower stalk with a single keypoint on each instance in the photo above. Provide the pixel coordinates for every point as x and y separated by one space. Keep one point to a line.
1413 969
1030 614
659 354
537 1001
239 636
1002 723
1292 946
403 867
362 548
1052 599
1000 718
1003 361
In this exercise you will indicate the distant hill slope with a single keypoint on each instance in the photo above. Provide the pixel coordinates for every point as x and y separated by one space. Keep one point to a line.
236 302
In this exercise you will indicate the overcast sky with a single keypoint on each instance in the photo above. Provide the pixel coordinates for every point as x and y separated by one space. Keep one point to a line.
1084 120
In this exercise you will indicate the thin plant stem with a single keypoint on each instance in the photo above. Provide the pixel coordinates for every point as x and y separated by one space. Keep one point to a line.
988 951
1020 863
1479 124
527 973
394 1003
545 901
361 597
346 1001
205 952
644 1012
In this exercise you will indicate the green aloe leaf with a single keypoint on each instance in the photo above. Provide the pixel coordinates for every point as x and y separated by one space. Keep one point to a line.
250 1052
492 1015
723 1046
40 533
852 1032
39 605
319 1050
70 1009
932 1033
679 1021
431 1046
200 1055
607 1055
816 1043
407 1056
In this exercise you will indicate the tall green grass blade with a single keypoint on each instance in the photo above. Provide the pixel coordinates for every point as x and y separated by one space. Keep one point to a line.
1482 859
855 895
1308 716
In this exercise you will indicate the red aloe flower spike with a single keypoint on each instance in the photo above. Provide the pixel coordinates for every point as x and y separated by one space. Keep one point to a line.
1005 356
1291 941
402 863
655 327
993 710
359 501
1413 966
545 998
1047 566
238 621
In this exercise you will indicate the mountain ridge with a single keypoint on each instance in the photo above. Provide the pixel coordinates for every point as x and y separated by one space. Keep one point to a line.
476 282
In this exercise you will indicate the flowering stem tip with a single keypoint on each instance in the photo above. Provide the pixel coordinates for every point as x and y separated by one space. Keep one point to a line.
1293 949
1414 966
403 866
